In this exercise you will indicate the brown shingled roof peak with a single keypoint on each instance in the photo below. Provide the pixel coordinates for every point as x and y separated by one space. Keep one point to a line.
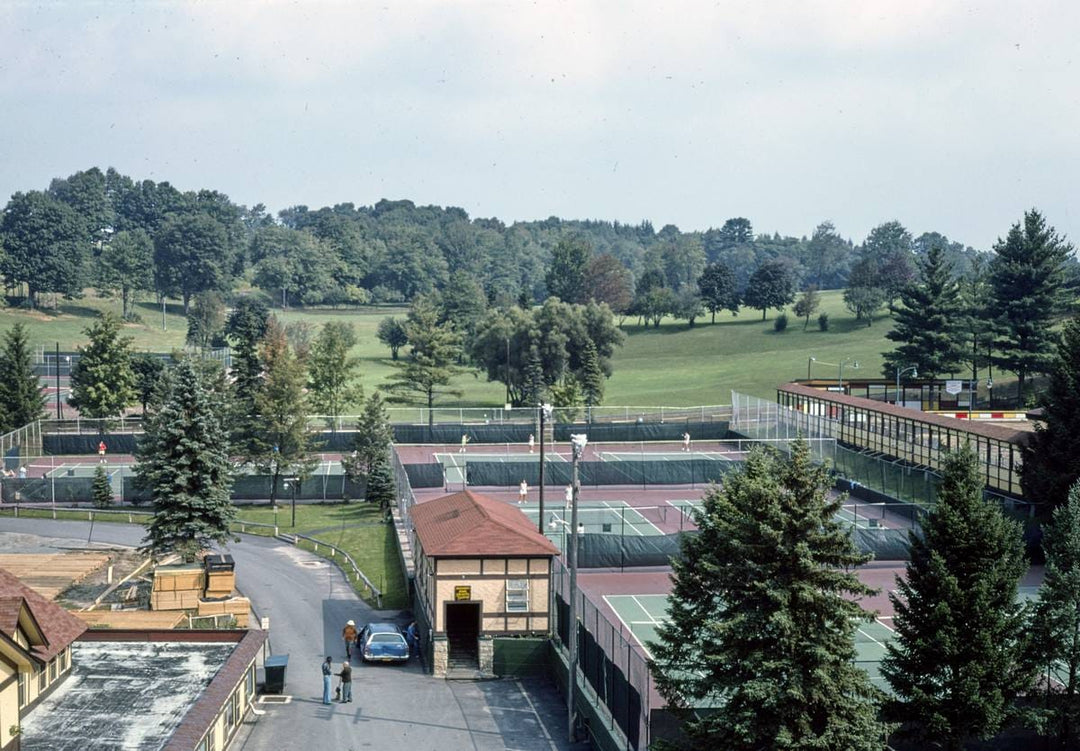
471 524
59 627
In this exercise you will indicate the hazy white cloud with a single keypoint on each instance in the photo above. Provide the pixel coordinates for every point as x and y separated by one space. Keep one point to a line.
948 116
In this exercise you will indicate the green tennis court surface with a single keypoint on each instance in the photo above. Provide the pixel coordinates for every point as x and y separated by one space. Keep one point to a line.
596 517
84 470
665 456
641 614
864 516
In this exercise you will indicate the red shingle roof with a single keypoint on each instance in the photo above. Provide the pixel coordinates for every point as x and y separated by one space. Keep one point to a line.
988 430
469 524
59 626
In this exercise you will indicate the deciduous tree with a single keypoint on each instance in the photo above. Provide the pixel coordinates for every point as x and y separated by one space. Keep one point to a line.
45 245
567 273
333 374
718 289
807 305
126 267
391 332
771 286
430 368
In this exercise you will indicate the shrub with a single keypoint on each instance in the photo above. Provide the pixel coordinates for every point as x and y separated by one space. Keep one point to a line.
780 324
823 321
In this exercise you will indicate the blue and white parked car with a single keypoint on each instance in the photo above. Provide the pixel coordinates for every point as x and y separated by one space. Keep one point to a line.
382 642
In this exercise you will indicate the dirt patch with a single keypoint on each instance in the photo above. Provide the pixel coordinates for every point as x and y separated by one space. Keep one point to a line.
84 593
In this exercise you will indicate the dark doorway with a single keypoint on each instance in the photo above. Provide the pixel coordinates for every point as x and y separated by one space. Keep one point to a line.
463 634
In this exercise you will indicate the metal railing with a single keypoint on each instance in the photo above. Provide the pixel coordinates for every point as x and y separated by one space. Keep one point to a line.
335 553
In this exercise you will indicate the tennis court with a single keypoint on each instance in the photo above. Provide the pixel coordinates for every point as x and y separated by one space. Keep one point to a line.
454 464
596 517
665 456
641 614
85 470
849 513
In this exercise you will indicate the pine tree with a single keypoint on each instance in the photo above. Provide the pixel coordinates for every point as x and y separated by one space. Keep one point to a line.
1027 278
976 310
1051 458
245 329
591 377
1057 615
282 441
183 460
927 321
380 483
102 381
101 491
533 386
373 436
763 620
21 398
956 664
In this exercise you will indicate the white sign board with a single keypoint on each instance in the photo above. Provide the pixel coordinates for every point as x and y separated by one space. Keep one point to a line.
954 387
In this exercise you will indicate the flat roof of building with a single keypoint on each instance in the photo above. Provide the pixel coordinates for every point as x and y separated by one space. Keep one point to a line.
124 695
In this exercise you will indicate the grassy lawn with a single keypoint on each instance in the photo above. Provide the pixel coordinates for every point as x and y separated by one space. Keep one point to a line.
356 528
672 365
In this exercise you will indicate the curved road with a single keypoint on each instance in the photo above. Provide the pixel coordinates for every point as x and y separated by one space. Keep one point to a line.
308 601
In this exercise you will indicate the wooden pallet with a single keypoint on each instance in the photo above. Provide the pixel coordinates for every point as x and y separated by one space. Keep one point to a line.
131 619
49 574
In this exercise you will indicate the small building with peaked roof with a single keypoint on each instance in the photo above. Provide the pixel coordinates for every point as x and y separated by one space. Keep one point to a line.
35 652
483 570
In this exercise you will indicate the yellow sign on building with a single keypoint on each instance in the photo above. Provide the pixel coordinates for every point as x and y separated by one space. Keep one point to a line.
462 592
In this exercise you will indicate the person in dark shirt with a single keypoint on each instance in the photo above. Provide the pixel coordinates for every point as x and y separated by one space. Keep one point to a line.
346 681
327 672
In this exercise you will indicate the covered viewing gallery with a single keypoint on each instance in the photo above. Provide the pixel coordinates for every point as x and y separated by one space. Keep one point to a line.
908 434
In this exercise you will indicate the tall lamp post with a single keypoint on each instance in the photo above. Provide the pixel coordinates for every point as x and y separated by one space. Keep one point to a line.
290 484
545 414
577 444
840 379
913 369
809 361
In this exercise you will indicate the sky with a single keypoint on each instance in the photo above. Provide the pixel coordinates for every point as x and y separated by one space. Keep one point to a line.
951 116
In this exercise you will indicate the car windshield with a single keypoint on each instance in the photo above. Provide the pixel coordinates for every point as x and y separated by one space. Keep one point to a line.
386 639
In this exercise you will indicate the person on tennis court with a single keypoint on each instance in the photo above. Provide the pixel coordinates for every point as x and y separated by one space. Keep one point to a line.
101 451
464 443
532 442
569 493
685 441
523 491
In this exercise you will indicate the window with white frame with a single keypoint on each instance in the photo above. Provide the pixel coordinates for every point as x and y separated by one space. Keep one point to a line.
517 596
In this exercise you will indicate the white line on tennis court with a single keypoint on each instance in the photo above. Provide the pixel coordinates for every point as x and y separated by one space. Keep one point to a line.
625 623
646 610
621 508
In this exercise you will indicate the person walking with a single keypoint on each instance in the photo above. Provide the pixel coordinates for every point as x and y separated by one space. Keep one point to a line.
327 673
464 443
346 682
412 635
532 442
523 491
685 441
349 635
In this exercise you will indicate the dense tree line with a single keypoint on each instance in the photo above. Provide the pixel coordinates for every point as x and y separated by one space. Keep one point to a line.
135 238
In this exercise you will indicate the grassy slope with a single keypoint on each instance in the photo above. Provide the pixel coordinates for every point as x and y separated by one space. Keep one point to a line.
672 365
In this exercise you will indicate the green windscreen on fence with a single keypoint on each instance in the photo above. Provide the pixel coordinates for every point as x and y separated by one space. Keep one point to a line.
622 472
425 475
622 432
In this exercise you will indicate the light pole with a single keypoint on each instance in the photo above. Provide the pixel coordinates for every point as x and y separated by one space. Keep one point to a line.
59 409
555 522
577 444
840 378
290 485
545 414
913 369
990 393
810 361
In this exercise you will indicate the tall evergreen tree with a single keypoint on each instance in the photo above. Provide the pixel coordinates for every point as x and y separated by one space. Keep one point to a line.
102 381
333 373
245 329
957 662
380 483
374 434
1057 616
148 372
428 371
976 318
21 398
101 490
927 321
183 460
591 377
763 620
283 441
1027 276
533 385
1051 457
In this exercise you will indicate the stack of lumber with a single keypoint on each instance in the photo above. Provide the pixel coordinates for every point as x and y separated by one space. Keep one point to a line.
177 587
49 574
238 607
219 585
131 619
